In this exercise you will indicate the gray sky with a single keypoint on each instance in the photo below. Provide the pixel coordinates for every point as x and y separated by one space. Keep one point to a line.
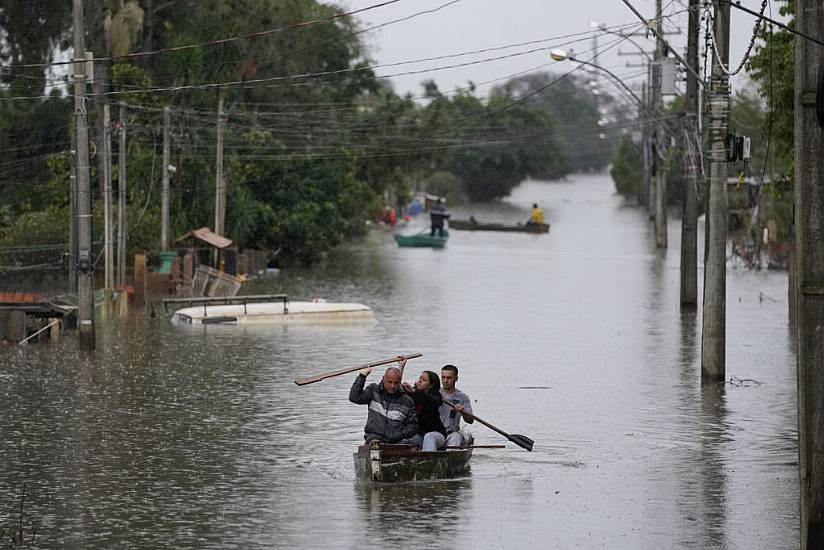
469 25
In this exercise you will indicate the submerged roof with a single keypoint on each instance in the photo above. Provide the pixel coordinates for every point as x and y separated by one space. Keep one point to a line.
207 236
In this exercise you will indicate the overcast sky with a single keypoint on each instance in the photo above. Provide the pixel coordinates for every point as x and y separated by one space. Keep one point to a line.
468 25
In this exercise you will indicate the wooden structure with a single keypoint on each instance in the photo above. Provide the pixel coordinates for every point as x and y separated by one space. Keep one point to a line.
397 463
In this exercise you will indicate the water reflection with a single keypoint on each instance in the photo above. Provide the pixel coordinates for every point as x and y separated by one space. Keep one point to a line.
423 514
712 462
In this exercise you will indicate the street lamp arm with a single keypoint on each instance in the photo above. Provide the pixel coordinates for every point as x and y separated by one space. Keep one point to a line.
614 77
670 48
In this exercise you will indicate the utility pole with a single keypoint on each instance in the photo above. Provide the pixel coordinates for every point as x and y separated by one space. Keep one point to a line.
645 145
220 187
108 218
713 329
689 233
121 197
809 248
658 109
85 280
73 212
164 203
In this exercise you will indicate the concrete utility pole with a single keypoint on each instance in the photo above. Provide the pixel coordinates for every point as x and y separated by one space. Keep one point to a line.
713 329
73 212
809 242
108 217
121 197
220 187
689 233
85 280
646 194
658 109
164 202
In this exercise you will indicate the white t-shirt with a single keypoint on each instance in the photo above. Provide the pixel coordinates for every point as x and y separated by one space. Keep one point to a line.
449 416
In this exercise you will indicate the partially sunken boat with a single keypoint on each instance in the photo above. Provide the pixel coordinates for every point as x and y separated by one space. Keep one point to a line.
469 225
240 310
396 463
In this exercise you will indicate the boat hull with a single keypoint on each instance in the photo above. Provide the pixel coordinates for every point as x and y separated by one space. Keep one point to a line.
421 240
398 463
274 312
466 225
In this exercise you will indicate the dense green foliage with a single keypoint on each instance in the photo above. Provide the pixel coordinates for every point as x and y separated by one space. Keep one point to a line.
314 141
771 67
627 169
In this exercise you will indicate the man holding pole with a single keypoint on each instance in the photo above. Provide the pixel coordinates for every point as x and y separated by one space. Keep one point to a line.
391 412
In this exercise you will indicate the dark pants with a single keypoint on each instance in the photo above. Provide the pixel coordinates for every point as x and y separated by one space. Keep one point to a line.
439 228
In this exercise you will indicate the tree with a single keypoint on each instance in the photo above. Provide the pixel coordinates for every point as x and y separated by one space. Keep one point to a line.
627 169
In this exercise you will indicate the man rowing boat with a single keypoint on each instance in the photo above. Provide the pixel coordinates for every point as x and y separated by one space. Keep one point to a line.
391 412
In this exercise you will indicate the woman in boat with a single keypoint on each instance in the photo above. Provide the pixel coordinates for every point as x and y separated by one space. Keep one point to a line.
426 393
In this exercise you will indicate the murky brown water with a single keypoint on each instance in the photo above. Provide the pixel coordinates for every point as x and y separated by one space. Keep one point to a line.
199 439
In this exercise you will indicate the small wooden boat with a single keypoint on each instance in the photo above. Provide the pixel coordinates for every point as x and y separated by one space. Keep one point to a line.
469 225
282 311
394 463
422 239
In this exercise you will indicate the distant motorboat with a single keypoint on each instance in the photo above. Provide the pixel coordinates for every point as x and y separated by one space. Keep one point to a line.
283 311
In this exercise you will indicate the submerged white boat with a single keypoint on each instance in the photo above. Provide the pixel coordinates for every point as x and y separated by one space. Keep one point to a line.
285 311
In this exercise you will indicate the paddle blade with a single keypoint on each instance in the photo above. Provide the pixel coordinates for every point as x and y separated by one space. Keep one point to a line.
521 441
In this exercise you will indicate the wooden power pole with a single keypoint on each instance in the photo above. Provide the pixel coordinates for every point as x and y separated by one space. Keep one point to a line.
220 187
121 197
809 247
713 329
108 215
658 109
85 279
689 234
164 203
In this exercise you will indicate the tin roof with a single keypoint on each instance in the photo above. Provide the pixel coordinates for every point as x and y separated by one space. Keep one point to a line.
207 236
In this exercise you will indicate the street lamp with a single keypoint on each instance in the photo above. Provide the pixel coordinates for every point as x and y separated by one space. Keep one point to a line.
561 55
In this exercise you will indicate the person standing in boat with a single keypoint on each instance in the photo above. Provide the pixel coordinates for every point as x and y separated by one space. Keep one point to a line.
451 417
426 393
391 412
437 215
537 215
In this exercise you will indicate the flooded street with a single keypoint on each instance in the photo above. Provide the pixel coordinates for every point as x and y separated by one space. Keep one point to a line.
198 438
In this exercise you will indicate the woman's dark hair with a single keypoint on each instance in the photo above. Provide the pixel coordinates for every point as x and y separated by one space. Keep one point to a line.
434 382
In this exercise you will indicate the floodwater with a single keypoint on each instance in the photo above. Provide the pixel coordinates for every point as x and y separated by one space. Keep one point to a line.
180 438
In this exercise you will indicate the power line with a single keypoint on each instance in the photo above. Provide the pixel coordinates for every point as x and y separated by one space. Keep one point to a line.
218 42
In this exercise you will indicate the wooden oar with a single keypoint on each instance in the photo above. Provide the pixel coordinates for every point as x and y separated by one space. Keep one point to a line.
519 440
331 374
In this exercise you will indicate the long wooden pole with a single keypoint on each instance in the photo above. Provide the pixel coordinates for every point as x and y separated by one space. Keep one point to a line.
713 328
121 200
85 280
164 201
809 257
660 138
689 233
108 218
332 374
220 186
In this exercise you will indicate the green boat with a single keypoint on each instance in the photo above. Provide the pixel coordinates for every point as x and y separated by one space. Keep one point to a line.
398 463
422 239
